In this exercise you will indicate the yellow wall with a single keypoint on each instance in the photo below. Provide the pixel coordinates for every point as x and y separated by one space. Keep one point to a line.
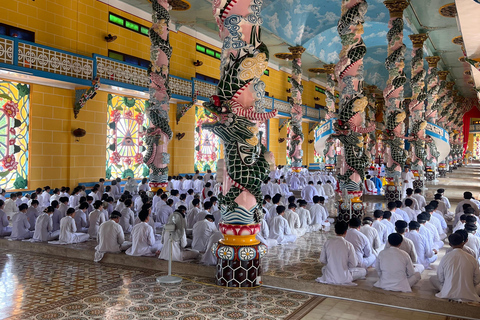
79 26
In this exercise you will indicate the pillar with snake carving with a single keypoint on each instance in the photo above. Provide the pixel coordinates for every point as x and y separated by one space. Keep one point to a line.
442 96
159 134
329 150
234 119
396 155
295 138
371 146
433 87
350 126
417 110
444 110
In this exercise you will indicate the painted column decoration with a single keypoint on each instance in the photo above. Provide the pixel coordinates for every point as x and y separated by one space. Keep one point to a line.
159 134
234 121
329 150
295 139
417 110
371 146
442 94
433 88
349 126
395 154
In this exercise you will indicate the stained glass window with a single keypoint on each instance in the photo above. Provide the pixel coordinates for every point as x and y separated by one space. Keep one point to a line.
263 128
14 122
207 144
127 125
476 146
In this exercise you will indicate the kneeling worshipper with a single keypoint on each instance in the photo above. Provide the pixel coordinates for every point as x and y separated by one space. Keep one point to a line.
44 227
294 220
464 234
209 257
370 188
407 245
5 230
20 224
143 237
395 268
95 219
110 238
68 230
319 215
363 249
202 231
339 258
179 238
263 235
458 274
372 235
279 228
426 255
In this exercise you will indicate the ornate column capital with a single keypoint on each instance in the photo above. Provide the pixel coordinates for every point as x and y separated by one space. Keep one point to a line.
433 61
442 75
396 7
418 39
296 51
450 85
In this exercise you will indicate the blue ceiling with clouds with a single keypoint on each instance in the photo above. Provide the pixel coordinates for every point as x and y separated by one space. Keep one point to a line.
313 24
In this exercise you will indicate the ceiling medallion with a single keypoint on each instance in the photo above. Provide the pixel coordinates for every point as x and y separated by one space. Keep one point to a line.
448 10
468 73
283 56
461 59
458 40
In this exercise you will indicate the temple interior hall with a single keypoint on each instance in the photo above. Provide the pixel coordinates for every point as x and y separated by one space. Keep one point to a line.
239 159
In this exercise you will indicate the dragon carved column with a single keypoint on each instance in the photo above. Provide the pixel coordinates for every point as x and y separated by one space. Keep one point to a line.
396 155
295 139
349 126
450 119
371 147
433 88
417 110
234 120
159 134
445 101
329 150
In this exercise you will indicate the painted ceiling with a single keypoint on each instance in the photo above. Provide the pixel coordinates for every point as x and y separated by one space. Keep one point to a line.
312 24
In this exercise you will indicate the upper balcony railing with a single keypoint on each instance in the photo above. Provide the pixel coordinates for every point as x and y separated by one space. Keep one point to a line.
27 57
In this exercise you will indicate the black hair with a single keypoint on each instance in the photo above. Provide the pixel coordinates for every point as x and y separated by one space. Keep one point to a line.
391 205
378 214
280 209
354 223
387 215
395 239
408 202
292 205
70 211
115 214
23 206
195 202
341 227
413 225
455 239
207 205
143 215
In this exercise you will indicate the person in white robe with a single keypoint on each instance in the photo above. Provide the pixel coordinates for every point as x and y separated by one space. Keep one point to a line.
10 207
372 235
420 199
411 197
57 215
320 190
407 245
437 219
340 259
2 195
444 198
265 187
143 237
110 238
305 216
285 189
127 218
201 232
68 230
32 214
458 274
363 249
473 241
426 255
207 209
294 220
295 182
275 188
319 216
460 224
437 242
400 212
209 257
467 196
20 224
395 268
280 229
386 221
193 213
179 239
45 197
198 185
309 192
5 230
381 228
44 227
73 199
408 209
392 207
407 178
369 186
55 196
80 217
272 212
264 235
143 185
95 219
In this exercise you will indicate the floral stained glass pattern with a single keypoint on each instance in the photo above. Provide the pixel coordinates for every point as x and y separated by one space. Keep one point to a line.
476 146
207 146
127 125
14 123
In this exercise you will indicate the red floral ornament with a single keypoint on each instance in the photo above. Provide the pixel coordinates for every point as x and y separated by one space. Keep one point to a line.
128 113
9 163
127 161
115 158
139 118
10 108
12 131
11 142
115 115
139 158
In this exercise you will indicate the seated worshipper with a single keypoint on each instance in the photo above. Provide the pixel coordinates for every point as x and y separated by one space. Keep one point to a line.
68 228
420 199
179 238
174 196
369 186
437 241
193 213
263 235
426 231
10 207
467 196
55 196
442 226
395 268
279 228
20 224
272 213
407 181
319 215
371 234
44 199
143 185
473 241
458 274
202 230
426 255
44 227
295 182
127 219
400 212
339 258
381 228
156 199
304 216
408 209
407 245
285 189
309 192
268 202
461 224
120 203
207 209
363 249
143 237
209 257
414 200
95 219
392 207
442 208
57 214
110 237
320 190
386 221
444 198
80 217
32 214
206 189
468 250
5 230
181 202
293 220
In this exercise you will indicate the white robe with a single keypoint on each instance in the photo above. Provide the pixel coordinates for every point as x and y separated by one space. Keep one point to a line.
407 182
68 233
414 204
294 223
372 235
209 258
202 230
308 193
425 254
95 219
127 220
20 227
110 239
5 230
363 249
81 222
263 235
382 230
305 219
474 244
32 215
420 200
44 229
395 270
143 241
190 217
319 217
10 207
280 230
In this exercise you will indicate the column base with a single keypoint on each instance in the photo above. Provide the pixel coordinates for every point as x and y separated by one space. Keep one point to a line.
442 173
357 211
417 184
239 266
392 193
430 175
